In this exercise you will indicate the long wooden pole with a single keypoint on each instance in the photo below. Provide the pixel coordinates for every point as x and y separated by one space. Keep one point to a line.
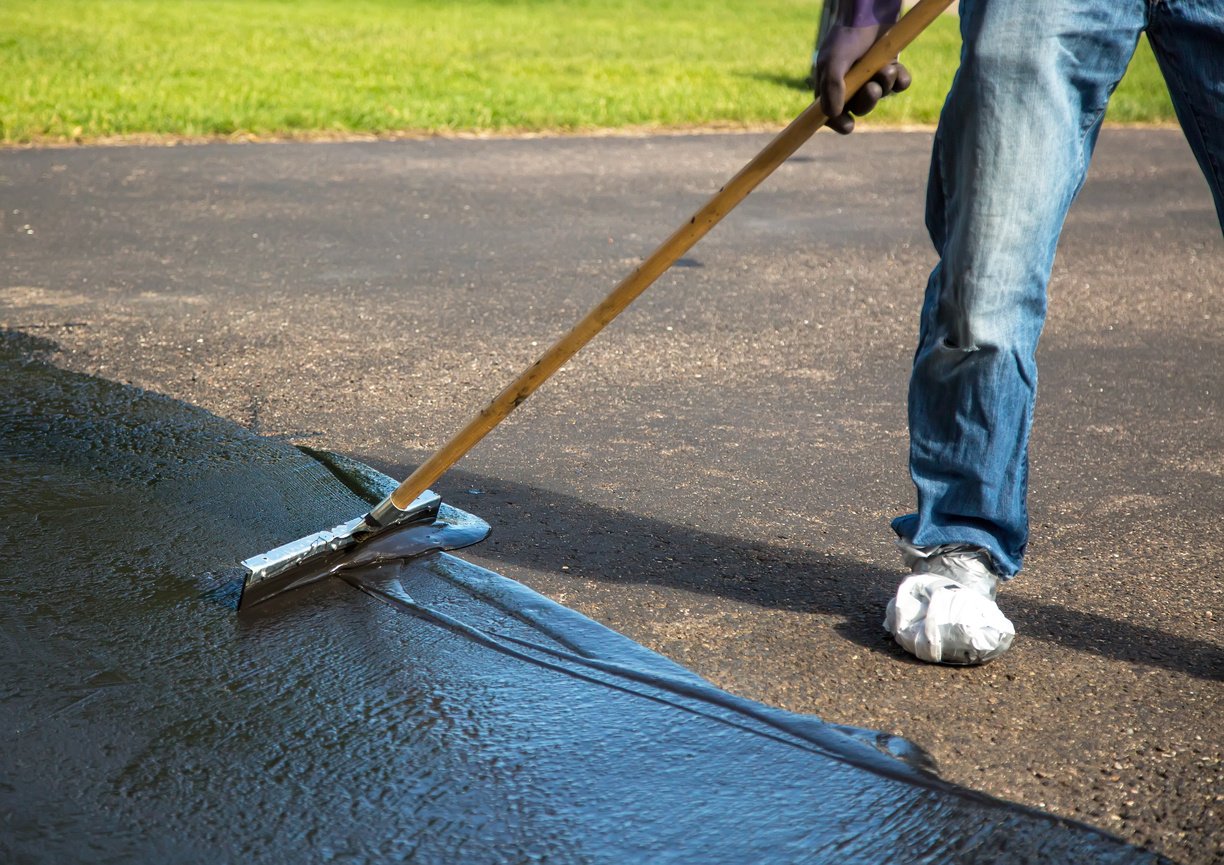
886 48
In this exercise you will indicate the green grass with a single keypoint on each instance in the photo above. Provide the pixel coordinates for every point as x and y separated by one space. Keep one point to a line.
72 69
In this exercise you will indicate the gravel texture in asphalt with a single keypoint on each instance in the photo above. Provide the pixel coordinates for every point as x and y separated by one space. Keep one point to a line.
713 476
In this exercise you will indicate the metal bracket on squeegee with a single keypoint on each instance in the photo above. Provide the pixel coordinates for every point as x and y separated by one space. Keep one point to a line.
264 569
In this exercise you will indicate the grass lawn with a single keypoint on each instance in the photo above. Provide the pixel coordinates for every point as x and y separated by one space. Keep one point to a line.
87 69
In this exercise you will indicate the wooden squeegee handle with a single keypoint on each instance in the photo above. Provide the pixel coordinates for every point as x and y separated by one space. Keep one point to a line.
762 165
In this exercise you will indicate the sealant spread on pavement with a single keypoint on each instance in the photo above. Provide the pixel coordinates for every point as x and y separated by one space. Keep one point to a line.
437 713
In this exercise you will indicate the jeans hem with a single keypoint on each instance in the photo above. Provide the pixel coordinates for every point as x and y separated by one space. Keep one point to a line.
1004 565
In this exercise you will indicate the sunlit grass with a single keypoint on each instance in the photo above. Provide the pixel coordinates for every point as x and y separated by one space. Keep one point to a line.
77 69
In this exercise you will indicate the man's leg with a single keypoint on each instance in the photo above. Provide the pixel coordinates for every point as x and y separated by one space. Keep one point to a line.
1188 39
1011 152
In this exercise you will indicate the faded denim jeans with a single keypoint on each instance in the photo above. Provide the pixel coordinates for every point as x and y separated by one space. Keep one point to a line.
1010 155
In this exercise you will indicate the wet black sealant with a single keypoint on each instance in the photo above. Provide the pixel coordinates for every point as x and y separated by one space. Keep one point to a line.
415 709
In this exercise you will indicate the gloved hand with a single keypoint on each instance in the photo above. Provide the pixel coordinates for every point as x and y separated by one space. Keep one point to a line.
847 29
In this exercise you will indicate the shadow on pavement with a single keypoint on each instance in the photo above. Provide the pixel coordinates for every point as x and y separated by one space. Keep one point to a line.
615 546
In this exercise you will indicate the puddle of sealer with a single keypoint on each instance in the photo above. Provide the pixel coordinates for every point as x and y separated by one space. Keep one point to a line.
424 710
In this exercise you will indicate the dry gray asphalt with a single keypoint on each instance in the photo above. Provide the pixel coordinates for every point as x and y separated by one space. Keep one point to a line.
714 475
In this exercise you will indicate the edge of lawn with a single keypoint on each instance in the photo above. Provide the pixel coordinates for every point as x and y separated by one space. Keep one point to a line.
142 139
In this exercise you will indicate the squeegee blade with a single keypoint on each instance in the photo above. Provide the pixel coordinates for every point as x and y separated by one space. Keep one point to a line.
306 559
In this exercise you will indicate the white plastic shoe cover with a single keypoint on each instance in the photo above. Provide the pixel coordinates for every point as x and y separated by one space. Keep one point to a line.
944 612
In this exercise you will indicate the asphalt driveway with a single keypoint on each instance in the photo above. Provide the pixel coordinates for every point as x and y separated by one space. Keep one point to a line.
714 475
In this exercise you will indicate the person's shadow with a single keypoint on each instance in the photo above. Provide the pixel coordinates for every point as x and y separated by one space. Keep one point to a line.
555 530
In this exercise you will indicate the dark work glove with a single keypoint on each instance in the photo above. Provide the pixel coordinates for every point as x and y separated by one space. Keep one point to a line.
848 28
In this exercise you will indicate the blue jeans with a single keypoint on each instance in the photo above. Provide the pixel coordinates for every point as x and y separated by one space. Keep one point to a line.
1010 155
